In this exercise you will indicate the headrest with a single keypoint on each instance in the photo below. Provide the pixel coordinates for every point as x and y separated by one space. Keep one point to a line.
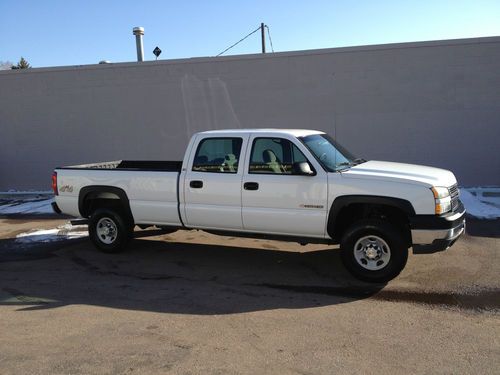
269 156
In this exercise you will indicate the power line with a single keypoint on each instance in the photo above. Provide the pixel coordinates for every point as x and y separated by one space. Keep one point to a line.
239 41
270 40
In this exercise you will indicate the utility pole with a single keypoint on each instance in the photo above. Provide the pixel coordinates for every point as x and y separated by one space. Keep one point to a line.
263 37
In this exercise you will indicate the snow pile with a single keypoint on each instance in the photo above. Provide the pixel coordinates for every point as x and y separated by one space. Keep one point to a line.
63 232
26 205
480 206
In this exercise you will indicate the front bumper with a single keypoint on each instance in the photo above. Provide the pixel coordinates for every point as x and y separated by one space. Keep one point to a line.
431 233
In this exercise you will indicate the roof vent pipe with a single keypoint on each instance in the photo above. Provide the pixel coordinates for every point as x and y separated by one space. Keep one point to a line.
139 32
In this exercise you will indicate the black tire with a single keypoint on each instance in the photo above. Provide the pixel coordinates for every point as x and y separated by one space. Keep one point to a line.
372 230
121 231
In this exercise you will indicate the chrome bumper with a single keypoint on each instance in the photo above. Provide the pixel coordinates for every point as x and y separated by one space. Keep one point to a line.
428 236
427 240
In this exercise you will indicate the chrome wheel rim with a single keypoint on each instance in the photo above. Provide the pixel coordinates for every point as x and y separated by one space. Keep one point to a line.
107 230
372 253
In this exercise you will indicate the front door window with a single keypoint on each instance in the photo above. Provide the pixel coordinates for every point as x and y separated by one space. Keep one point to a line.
274 156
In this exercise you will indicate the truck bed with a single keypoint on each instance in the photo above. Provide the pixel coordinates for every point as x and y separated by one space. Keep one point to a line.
151 187
132 165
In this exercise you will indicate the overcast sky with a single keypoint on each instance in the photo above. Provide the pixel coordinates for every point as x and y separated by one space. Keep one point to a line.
70 32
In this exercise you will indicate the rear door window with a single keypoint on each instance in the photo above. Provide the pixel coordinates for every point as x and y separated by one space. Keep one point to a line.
218 155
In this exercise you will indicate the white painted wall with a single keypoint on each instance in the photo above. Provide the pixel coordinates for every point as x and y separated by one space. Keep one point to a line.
434 103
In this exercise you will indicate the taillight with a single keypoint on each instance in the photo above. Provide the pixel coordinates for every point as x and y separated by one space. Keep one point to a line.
54 183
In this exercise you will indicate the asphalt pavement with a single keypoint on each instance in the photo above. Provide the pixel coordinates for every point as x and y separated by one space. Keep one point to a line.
196 303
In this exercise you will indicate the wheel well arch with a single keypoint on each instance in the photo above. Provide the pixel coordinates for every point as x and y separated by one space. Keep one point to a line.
96 196
347 209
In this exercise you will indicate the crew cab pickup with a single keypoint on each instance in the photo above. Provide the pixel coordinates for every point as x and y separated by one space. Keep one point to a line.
295 185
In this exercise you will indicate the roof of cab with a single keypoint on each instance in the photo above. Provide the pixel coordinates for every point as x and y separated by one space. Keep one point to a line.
293 132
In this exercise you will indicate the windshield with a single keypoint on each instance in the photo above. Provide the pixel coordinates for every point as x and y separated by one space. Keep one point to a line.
332 156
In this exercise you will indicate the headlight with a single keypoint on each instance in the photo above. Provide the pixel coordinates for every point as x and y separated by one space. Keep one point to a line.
442 199
440 192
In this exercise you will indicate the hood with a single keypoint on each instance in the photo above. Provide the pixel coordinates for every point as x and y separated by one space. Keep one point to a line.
399 171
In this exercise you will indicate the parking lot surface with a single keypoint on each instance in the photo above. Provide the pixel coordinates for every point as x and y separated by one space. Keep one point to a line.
196 303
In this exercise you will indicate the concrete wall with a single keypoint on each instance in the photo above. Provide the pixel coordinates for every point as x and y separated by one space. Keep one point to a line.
434 103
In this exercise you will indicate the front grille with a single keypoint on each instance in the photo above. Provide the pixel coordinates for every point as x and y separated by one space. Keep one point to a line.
454 194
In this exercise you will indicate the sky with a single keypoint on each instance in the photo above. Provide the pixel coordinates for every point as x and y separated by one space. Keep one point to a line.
71 32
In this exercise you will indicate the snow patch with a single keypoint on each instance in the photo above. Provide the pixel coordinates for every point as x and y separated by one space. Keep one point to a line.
63 232
477 205
34 205
10 193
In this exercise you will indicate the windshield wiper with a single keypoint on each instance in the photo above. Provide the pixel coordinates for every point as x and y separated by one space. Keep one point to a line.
350 163
344 164
359 161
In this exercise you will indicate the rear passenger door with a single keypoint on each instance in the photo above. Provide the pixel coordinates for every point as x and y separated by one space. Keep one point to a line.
212 185
274 199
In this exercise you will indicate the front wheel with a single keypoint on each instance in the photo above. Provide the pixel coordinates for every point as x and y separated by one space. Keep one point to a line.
374 251
109 231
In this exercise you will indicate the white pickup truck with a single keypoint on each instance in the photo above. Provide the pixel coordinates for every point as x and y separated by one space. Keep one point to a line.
295 185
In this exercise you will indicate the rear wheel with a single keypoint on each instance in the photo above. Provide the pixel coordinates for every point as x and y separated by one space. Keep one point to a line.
109 231
374 250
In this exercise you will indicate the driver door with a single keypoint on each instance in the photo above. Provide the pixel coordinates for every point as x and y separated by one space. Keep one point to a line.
276 201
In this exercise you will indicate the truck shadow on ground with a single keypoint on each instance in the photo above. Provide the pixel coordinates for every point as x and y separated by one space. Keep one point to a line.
174 277
162 275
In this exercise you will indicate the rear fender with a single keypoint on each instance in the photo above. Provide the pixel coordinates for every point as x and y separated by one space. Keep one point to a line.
111 193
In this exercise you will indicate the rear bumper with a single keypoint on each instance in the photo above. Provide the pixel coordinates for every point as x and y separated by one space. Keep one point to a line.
55 208
432 233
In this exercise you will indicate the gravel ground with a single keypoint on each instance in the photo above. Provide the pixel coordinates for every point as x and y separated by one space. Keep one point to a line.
195 303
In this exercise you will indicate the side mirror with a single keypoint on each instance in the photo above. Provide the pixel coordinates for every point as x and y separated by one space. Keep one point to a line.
302 169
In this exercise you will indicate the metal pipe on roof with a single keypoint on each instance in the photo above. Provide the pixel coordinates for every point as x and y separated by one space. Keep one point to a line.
139 32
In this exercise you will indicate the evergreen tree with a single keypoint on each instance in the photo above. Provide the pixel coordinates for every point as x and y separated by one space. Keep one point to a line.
22 64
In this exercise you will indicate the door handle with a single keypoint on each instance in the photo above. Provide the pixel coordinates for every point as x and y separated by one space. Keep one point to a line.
196 184
251 186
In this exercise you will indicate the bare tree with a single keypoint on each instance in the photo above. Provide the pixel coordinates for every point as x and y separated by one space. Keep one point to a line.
6 65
